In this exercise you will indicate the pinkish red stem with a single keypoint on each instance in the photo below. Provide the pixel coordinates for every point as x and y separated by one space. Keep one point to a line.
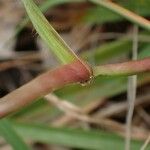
126 68
42 85
67 74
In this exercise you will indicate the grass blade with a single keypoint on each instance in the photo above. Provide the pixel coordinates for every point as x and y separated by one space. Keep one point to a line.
142 22
10 135
48 33
77 138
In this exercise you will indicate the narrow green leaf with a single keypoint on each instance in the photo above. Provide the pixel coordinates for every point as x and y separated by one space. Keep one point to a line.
133 17
48 33
106 15
10 135
77 138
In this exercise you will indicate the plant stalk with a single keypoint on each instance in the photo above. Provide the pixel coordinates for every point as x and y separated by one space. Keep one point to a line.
123 69
75 72
45 83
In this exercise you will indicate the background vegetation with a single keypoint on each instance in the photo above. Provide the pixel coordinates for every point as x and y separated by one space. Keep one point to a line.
78 116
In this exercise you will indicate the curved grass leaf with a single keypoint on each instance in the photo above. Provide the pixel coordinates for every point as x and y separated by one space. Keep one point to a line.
48 33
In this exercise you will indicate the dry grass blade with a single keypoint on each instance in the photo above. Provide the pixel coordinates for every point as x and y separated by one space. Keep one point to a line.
146 143
68 120
62 104
131 93
75 112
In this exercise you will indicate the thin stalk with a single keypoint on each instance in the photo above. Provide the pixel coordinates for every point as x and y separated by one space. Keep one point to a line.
131 93
123 69
142 22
